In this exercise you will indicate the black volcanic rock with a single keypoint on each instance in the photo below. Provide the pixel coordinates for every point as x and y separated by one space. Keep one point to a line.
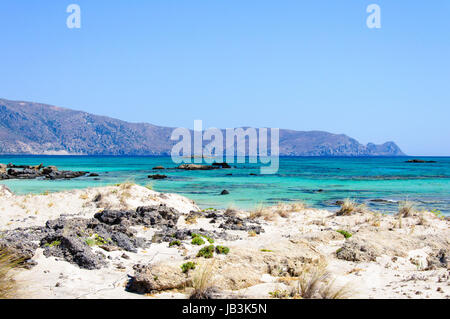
157 176
12 171
419 161
33 128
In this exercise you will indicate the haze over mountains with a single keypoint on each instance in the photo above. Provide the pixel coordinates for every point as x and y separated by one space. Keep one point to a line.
34 128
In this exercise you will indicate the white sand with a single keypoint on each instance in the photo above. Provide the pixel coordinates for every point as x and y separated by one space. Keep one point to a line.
308 232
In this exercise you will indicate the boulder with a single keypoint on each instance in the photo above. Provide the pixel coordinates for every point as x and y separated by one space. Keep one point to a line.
160 277
222 165
357 251
158 167
49 169
224 192
3 168
73 249
157 215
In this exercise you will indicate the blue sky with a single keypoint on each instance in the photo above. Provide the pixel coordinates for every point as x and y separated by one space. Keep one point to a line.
303 65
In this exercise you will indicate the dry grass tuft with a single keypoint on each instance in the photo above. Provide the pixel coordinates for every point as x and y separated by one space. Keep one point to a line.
8 286
331 291
314 282
349 207
406 209
310 279
202 282
283 210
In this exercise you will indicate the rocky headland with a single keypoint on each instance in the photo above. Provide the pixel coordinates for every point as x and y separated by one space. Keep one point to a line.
11 171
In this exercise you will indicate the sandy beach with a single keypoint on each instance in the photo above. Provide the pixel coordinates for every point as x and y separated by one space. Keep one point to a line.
271 250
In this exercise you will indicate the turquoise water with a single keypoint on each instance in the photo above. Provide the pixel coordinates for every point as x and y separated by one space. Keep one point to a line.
299 178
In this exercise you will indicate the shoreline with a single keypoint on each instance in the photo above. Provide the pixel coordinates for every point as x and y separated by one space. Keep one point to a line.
384 256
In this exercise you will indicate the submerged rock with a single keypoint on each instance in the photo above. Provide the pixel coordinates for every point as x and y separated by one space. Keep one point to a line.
196 167
157 176
419 161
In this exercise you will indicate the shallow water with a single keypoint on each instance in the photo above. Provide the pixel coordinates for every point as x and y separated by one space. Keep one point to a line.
318 181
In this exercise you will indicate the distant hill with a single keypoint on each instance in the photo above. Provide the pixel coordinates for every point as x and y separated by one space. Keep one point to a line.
34 128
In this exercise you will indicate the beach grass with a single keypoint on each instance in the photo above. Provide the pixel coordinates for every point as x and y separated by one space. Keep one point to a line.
202 282
349 207
8 286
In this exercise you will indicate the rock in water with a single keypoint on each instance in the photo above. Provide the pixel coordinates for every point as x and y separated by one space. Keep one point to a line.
222 165
157 176
196 167
225 192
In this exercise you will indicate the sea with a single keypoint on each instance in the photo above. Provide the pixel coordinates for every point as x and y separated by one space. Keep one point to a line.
378 182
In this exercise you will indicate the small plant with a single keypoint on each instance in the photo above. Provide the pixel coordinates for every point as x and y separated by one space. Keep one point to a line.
175 243
209 239
8 285
90 242
191 219
222 250
310 280
438 213
188 266
345 233
279 294
53 244
84 196
206 252
349 207
252 233
149 186
96 241
283 210
202 282
197 241
266 251
406 209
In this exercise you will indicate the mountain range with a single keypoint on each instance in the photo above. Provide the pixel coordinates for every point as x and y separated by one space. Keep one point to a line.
35 128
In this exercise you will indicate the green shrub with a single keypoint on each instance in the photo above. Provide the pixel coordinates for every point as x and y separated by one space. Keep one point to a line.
188 266
97 240
53 244
206 252
222 250
209 239
197 241
175 243
345 233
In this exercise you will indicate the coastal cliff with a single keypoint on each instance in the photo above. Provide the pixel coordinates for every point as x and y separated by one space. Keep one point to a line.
39 129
